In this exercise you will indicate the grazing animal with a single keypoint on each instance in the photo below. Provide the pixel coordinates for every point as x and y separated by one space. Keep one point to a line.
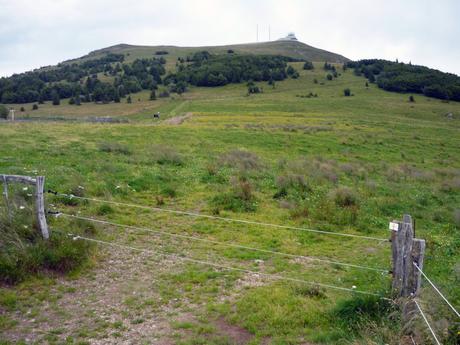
156 115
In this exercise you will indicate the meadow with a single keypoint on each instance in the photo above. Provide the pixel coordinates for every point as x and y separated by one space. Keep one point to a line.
285 156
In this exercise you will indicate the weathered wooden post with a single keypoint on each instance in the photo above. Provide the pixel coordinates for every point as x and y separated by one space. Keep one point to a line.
407 252
5 196
40 203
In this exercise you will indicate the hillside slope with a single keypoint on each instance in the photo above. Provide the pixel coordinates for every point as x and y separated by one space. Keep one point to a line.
286 48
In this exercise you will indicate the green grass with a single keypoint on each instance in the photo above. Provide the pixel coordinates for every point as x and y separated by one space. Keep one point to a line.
346 164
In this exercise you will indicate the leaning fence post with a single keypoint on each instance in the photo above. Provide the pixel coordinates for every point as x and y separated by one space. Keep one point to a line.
40 202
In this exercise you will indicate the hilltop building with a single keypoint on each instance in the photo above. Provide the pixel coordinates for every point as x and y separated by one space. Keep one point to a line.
289 37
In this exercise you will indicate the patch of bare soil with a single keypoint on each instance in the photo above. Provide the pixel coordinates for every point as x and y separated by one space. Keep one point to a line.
116 303
238 335
178 120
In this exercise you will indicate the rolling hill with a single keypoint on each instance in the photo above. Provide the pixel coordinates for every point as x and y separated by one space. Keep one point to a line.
292 49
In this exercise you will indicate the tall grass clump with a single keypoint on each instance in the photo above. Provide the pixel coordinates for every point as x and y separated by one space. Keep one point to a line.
23 251
166 155
367 316
242 160
114 147
345 197
241 198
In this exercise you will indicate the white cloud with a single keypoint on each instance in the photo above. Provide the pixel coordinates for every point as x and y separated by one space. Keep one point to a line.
35 33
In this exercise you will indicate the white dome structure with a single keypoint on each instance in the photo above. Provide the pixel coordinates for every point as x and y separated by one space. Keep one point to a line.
289 37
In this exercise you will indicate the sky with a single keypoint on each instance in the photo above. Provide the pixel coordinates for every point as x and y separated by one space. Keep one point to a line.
35 33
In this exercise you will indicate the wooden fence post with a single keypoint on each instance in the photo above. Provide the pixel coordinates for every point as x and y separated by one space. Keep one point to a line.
40 204
406 251
5 196
402 240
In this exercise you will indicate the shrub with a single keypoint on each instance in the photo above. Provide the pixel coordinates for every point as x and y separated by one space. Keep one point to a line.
411 99
344 197
104 209
22 109
329 76
114 147
241 198
253 88
308 65
241 159
287 182
315 81
166 155
168 191
35 107
347 92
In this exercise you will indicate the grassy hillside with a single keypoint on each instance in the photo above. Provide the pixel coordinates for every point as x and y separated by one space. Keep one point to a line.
293 49
336 163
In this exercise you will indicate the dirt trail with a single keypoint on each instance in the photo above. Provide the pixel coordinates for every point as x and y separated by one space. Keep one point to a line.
178 120
118 302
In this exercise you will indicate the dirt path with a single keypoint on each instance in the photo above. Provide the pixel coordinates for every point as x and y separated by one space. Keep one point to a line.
118 302
178 120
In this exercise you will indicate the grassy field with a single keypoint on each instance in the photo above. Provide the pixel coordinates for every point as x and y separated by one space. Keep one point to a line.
335 163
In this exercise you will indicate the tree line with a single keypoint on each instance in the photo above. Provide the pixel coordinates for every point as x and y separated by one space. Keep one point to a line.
81 83
402 77
205 69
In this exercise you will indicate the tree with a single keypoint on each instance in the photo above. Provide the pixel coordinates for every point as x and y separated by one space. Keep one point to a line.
55 98
290 71
3 112
129 100
22 109
315 81
72 101
329 76
153 95
35 106
367 84
411 99
253 88
347 92
308 65
116 95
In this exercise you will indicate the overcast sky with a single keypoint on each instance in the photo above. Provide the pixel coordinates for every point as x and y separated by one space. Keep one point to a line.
36 33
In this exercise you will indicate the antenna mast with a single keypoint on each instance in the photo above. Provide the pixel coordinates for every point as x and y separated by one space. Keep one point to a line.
257 32
269 38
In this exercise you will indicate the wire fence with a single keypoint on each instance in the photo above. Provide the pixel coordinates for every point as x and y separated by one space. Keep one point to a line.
225 267
308 258
233 220
249 248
